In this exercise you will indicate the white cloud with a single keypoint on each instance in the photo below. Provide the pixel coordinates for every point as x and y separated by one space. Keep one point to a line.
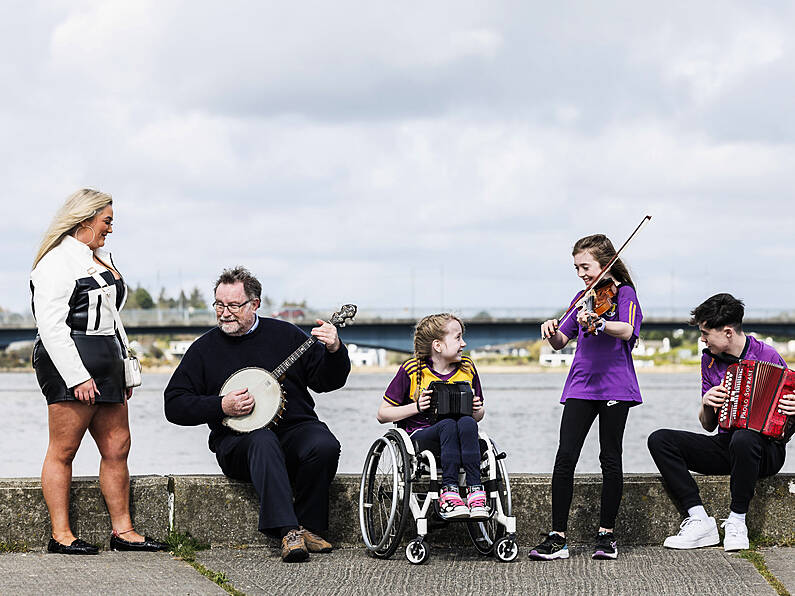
336 148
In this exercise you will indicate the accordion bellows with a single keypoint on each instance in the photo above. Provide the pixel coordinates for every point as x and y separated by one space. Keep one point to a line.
755 389
450 400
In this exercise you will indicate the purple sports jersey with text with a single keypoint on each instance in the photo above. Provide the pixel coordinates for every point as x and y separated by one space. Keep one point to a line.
602 367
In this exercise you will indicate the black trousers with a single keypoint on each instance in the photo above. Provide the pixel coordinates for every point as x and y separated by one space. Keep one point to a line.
744 454
578 416
304 456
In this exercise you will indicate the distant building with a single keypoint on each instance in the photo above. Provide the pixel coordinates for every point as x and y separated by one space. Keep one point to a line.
366 356
504 350
550 357
177 349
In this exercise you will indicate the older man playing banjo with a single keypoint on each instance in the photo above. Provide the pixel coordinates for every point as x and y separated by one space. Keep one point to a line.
300 449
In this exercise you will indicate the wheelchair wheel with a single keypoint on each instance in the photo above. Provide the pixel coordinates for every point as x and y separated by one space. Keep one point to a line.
506 549
486 533
418 552
384 495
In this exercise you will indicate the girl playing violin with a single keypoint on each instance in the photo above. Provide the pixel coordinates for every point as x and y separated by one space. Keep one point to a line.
601 382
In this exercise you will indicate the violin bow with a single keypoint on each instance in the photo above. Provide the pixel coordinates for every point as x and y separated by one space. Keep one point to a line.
606 268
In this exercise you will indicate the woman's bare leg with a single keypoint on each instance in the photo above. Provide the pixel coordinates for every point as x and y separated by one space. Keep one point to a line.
111 431
67 421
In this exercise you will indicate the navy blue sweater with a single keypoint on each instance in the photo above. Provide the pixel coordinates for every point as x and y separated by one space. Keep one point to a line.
192 398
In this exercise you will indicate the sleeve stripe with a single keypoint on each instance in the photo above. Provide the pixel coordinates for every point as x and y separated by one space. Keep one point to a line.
389 400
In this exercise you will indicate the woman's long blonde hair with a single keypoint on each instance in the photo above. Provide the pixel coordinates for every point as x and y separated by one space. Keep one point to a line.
79 207
426 331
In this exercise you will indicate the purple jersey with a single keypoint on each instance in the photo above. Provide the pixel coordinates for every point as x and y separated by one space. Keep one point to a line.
402 388
602 367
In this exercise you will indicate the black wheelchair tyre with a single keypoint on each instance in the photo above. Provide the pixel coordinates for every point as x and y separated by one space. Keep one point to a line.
384 495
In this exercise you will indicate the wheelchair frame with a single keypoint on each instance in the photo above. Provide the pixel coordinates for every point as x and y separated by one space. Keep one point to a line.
386 497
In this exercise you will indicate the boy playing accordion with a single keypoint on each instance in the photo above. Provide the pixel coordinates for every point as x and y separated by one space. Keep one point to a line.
744 454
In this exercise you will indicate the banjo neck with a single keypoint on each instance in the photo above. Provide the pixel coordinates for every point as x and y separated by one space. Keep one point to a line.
281 370
338 319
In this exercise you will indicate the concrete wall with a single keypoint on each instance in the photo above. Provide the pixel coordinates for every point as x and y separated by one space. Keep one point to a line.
217 510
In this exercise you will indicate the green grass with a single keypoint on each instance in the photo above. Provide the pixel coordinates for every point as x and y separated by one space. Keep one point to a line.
13 547
759 562
216 577
184 546
758 559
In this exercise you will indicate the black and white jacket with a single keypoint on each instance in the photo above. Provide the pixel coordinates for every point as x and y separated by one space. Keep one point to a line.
66 299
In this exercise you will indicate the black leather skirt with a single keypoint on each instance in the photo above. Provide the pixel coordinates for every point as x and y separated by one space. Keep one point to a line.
102 357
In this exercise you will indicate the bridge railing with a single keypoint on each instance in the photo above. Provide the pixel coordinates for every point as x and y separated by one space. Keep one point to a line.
194 317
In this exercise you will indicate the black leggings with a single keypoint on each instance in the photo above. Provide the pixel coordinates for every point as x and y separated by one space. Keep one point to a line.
578 416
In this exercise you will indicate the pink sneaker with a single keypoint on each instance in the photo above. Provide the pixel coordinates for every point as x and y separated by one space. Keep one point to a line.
476 501
450 503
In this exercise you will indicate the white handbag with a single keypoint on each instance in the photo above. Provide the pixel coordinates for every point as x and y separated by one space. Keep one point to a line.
132 366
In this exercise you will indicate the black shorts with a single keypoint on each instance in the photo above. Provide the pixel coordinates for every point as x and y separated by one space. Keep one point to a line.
102 357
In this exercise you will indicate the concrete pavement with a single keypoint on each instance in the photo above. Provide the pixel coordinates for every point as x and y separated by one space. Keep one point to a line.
258 570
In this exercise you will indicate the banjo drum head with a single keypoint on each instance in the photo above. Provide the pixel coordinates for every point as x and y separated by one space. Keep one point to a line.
267 395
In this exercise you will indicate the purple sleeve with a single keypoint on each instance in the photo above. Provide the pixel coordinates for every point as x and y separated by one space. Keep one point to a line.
476 386
398 391
708 378
629 309
569 327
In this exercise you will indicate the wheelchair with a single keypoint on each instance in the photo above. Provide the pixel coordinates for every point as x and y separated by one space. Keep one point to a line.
398 482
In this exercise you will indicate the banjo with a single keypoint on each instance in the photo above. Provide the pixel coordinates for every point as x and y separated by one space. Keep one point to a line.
265 387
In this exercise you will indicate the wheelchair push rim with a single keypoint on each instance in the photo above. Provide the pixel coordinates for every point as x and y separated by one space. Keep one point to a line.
383 496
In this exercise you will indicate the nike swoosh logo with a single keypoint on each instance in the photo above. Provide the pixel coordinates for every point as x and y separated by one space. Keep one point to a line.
612 402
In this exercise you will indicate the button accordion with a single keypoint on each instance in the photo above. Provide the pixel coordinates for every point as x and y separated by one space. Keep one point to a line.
450 400
755 389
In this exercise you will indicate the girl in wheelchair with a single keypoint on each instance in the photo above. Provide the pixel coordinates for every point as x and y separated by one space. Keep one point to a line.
438 356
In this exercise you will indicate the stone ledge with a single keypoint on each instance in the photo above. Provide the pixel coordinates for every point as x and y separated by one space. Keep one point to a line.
220 511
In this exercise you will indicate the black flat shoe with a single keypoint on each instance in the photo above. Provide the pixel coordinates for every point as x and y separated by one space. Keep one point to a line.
78 547
148 545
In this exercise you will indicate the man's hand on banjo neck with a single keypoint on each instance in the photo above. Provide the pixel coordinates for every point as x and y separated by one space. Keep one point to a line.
237 403
326 333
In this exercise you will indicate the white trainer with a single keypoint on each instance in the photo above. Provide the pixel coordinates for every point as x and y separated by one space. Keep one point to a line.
735 535
694 532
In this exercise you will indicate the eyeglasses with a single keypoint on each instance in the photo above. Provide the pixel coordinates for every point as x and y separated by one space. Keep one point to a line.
233 308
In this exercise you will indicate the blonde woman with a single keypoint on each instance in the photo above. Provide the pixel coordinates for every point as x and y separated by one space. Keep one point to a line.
78 362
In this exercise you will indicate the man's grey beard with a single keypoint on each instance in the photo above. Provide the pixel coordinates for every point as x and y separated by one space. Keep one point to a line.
232 327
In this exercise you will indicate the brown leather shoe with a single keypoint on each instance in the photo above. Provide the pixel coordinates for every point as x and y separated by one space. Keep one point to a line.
314 543
294 548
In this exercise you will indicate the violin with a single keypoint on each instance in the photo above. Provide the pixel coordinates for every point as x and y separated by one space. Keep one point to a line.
580 303
598 301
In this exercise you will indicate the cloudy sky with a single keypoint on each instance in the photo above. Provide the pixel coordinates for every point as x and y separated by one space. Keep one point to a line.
441 154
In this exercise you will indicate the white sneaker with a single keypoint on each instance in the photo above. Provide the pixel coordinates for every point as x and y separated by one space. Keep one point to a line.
694 532
735 535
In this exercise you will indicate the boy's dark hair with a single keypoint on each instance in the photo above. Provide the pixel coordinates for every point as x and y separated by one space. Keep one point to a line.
719 311
251 284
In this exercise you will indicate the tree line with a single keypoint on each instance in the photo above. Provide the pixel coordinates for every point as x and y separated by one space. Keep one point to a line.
141 298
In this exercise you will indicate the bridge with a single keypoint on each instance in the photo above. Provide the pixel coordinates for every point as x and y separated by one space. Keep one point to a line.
394 330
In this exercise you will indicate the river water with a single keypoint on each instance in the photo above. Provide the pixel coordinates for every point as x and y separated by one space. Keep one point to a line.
522 416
